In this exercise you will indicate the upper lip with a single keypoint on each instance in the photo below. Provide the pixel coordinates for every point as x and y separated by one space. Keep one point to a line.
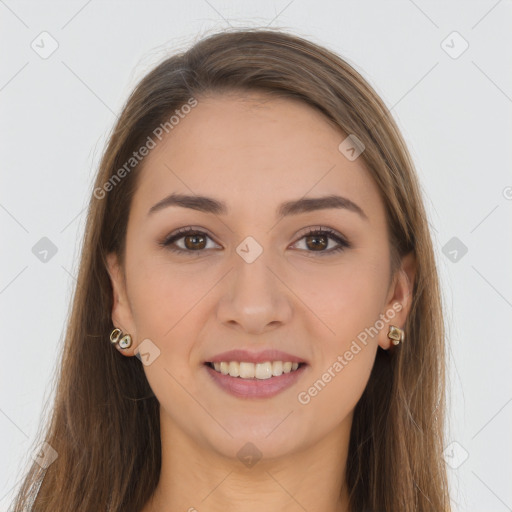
255 357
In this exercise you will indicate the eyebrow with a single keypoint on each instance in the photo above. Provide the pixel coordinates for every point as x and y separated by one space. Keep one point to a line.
295 207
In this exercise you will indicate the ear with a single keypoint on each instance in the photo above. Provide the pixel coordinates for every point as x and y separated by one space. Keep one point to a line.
121 311
399 299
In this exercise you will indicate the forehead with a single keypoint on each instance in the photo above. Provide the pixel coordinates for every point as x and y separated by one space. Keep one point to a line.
251 151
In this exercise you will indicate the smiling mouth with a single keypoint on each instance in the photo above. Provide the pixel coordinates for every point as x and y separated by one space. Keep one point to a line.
255 371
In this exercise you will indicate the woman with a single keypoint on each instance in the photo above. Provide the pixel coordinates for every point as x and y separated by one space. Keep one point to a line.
257 320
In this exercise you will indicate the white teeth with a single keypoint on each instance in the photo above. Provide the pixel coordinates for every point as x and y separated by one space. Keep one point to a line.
277 368
234 369
255 370
263 371
247 370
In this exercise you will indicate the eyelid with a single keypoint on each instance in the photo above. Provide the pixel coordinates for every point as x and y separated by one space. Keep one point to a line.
313 229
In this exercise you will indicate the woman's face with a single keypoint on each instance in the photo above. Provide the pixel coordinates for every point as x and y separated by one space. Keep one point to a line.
253 279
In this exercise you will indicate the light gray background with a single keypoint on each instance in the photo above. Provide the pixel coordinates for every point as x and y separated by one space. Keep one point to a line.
55 114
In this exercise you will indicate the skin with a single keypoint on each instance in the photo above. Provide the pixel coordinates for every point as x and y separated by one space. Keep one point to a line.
255 152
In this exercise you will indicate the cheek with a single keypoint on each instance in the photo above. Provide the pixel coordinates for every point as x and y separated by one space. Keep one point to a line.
334 391
161 296
348 300
347 297
163 303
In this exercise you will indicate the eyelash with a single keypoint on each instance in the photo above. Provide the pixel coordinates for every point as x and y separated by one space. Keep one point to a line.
319 230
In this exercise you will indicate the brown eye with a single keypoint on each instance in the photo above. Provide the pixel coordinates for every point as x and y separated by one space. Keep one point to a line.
317 240
187 240
194 242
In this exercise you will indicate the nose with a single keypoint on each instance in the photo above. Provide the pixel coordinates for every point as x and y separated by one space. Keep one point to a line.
254 297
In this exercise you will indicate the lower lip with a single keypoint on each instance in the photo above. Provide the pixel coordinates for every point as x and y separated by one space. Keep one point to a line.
255 388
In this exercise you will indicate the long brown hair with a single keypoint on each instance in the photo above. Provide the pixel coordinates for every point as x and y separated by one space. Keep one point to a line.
104 424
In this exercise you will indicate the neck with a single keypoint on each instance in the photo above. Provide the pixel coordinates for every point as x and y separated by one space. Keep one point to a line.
197 478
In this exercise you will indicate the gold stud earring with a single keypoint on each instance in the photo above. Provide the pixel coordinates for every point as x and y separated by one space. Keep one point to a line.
117 336
395 334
